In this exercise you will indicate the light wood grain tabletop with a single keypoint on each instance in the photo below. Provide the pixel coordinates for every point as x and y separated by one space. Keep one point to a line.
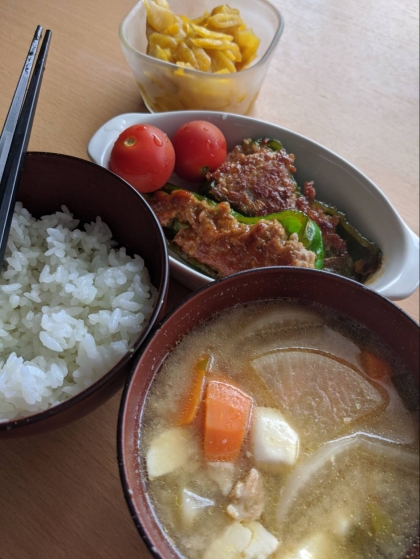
345 74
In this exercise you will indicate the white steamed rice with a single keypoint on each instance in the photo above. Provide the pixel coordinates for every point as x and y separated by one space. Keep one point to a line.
70 305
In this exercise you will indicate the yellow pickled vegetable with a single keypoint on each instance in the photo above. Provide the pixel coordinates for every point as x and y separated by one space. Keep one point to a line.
223 21
202 58
220 63
208 34
158 17
247 43
218 42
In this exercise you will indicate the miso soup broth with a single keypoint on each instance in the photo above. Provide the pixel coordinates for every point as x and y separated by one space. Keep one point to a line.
276 431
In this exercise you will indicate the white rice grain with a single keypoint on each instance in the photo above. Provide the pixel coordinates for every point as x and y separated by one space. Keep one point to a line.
71 303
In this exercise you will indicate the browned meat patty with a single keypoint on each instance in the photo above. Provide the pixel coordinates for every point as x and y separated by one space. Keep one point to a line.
215 238
256 180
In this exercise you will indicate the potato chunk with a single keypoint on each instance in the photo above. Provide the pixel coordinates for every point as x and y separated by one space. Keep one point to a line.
168 452
248 541
230 544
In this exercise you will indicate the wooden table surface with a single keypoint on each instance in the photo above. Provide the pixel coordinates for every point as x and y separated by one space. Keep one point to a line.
345 74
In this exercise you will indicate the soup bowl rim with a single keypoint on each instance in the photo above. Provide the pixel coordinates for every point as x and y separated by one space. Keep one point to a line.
122 440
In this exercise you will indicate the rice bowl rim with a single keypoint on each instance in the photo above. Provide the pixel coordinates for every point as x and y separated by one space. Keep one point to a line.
33 418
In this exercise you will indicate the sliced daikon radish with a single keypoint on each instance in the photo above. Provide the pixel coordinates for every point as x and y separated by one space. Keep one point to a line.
395 424
321 461
222 473
262 544
351 476
281 318
343 520
192 505
323 339
274 442
167 452
318 395
231 544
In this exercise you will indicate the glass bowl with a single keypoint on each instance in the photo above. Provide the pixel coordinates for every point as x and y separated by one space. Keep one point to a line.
167 87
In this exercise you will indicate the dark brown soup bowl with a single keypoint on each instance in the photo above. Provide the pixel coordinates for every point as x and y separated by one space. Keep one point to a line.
51 180
348 298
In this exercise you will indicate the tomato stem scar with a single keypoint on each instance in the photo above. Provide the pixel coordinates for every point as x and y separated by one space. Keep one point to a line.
130 141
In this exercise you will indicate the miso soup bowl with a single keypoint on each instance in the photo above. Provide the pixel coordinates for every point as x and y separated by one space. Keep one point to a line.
348 298
51 180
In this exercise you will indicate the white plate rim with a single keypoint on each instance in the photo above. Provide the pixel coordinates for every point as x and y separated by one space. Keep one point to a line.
403 284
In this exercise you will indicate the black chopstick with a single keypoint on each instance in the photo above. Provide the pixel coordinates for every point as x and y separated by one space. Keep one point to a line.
17 102
19 142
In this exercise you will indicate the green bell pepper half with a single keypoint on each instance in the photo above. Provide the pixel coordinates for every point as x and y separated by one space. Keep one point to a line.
365 255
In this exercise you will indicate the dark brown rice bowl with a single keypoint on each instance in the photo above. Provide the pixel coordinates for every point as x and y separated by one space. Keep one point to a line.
52 180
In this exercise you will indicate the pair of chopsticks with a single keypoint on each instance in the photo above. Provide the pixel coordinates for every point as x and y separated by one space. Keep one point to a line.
14 138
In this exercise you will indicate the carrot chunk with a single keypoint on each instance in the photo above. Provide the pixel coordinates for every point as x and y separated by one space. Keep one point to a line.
192 403
375 367
228 412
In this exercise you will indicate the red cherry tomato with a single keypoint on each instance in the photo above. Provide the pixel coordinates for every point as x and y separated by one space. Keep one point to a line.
144 156
200 147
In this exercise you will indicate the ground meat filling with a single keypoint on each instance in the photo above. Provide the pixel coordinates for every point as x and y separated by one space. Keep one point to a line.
256 180
215 238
